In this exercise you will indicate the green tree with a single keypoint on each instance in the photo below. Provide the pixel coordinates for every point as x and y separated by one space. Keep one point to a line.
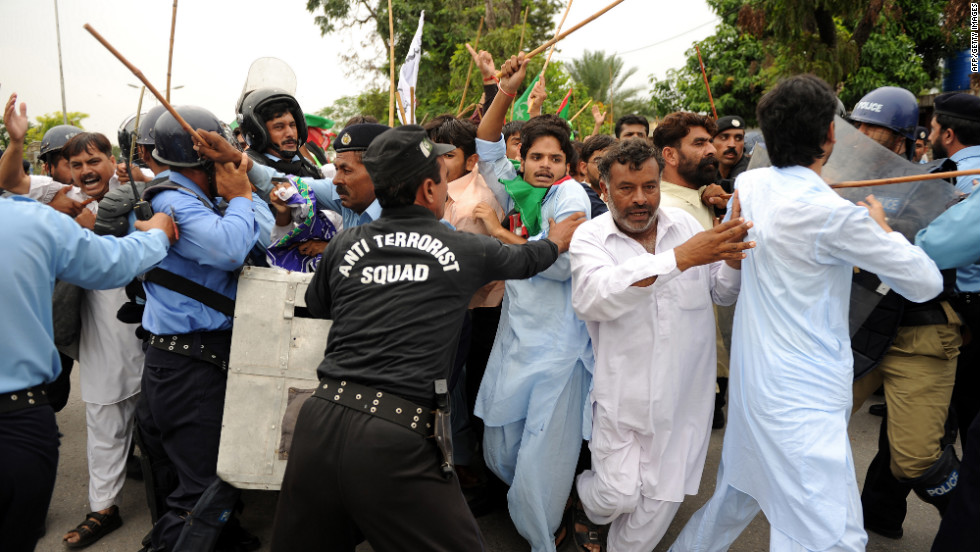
448 26
856 46
604 77
49 120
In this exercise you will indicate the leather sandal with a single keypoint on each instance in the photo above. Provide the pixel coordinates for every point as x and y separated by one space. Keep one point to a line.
94 527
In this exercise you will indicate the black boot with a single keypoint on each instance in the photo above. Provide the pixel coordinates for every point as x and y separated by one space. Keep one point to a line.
884 497
719 420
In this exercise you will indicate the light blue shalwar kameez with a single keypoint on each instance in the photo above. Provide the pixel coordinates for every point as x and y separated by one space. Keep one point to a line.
533 396
786 448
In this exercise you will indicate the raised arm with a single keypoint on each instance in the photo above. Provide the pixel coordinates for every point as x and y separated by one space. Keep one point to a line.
511 77
12 176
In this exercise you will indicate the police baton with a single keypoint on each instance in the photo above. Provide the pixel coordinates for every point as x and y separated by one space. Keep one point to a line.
150 87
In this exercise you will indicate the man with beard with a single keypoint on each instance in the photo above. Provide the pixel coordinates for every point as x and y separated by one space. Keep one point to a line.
786 450
646 276
956 134
729 142
690 168
690 165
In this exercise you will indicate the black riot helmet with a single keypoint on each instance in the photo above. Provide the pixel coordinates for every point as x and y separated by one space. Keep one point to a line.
174 145
255 111
126 133
55 138
144 136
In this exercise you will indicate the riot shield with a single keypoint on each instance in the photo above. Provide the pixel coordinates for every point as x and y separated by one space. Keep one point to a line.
268 72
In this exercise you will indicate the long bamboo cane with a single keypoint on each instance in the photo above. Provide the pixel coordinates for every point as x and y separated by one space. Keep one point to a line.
170 55
557 32
708 88
587 104
901 179
391 56
139 74
523 28
469 72
561 37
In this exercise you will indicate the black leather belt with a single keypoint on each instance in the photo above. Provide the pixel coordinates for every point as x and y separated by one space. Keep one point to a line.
377 403
189 345
25 398
925 317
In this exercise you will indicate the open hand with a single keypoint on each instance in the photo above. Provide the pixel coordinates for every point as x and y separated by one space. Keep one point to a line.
16 122
721 243
876 211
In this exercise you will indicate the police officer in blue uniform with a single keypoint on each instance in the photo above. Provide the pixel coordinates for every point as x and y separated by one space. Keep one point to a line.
40 245
184 376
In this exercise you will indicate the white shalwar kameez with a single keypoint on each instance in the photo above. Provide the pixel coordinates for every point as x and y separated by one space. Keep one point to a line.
654 383
786 448
110 367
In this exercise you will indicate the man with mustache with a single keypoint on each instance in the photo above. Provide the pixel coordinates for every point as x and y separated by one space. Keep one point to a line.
649 273
275 128
729 142
690 169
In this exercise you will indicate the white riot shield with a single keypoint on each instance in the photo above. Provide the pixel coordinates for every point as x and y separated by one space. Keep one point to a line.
274 347
268 72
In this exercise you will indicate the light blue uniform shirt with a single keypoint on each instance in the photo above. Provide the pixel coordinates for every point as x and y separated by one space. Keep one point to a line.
41 244
953 239
210 250
790 396
540 340
326 195
967 277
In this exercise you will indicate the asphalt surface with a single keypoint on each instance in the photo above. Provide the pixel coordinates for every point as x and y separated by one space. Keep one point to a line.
70 502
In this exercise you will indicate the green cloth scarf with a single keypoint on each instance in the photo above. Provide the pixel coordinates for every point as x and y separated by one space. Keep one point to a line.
527 199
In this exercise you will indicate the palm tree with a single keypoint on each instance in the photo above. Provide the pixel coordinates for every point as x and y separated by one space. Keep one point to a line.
604 78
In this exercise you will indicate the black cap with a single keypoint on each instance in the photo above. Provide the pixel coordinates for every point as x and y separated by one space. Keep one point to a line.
358 137
400 153
921 133
958 104
731 121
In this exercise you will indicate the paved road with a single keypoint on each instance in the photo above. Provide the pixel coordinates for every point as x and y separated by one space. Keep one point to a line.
70 503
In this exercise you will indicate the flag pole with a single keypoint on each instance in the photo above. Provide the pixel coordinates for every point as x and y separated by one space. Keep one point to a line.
391 46
708 88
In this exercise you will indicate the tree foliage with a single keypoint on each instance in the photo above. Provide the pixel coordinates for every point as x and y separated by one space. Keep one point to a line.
49 120
855 45
448 26
604 79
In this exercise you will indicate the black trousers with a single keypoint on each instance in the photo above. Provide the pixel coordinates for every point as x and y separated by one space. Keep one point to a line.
352 476
960 528
28 464
183 400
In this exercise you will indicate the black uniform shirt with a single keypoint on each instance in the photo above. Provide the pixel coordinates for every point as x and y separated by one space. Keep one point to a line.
397 289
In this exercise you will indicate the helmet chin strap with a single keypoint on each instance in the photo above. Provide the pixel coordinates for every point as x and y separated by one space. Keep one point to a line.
285 155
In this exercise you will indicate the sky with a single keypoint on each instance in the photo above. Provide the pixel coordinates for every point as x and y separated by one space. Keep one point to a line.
217 40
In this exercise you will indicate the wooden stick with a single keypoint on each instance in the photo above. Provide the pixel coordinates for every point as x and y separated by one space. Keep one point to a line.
401 109
469 72
411 95
612 116
139 74
523 28
424 118
391 56
561 37
557 32
170 55
580 111
708 88
901 179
